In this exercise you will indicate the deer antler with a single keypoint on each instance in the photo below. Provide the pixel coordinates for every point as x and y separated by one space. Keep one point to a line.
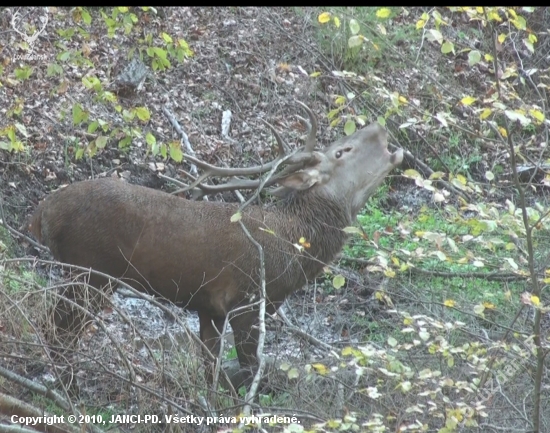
294 161
29 39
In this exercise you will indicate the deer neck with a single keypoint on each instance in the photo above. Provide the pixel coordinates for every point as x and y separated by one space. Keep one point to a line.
317 219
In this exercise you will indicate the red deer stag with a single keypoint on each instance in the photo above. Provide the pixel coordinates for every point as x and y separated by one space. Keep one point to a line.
190 253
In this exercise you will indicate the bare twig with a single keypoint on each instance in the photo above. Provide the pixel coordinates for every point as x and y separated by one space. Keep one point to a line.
185 139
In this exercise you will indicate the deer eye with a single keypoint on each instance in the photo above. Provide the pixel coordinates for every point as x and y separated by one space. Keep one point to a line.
339 153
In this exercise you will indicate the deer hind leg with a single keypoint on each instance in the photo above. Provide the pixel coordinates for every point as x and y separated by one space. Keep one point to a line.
68 317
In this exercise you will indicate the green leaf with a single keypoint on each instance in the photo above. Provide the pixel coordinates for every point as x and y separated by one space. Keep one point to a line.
142 113
293 373
166 38
79 153
79 115
354 26
125 142
64 56
349 127
236 217
93 126
435 35
355 41
22 129
163 150
54 69
175 151
150 139
340 100
155 149
159 52
86 17
474 57
23 73
128 116
101 142
447 47
353 230
332 113
338 281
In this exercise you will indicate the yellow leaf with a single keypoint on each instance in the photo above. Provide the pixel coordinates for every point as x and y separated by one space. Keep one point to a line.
494 16
407 321
437 175
336 22
502 37
535 300
340 100
390 273
320 368
383 13
314 74
489 305
420 24
324 17
503 131
468 100
537 115
412 174
519 23
347 351
485 113
403 100
461 179
488 58
449 303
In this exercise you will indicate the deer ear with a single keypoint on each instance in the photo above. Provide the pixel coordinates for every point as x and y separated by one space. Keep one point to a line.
303 179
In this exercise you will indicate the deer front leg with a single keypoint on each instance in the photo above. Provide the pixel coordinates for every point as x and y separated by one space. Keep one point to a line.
245 333
210 331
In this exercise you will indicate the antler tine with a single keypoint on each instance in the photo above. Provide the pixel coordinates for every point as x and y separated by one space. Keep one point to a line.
293 160
311 139
282 145
212 170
